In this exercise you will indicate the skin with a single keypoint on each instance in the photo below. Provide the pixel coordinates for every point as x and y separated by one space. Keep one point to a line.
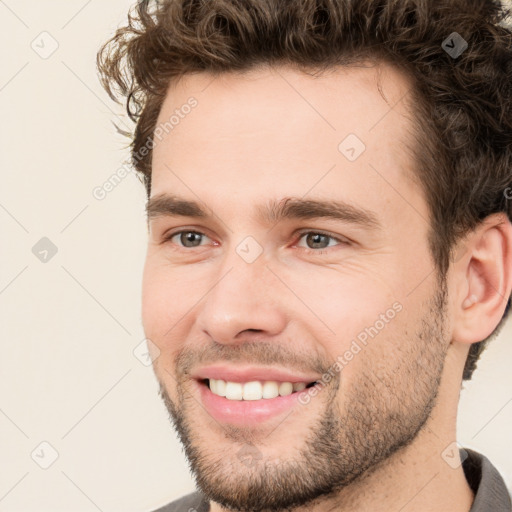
384 420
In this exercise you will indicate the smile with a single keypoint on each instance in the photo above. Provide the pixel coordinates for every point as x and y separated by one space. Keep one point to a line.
254 390
253 402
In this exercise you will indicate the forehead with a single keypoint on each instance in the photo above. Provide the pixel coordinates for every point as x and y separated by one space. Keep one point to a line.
280 130
355 98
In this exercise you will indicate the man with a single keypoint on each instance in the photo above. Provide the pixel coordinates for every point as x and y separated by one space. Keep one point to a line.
330 243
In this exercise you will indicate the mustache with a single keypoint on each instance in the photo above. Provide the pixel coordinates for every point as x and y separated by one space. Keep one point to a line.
264 353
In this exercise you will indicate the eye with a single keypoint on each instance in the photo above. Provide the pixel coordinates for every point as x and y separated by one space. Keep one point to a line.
315 241
186 238
318 240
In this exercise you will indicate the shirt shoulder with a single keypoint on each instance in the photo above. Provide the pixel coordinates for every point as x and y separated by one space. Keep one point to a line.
491 492
193 502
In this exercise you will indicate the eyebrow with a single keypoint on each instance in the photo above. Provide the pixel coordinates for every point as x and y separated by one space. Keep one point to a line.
272 212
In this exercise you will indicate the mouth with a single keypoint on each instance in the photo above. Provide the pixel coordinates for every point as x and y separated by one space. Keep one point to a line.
251 403
254 390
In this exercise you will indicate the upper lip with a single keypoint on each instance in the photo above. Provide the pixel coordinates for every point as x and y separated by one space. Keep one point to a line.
250 373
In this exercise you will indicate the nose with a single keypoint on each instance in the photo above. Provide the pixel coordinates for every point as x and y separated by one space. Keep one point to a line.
245 297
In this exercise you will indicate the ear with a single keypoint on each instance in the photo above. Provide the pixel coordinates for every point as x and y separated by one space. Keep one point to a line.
484 280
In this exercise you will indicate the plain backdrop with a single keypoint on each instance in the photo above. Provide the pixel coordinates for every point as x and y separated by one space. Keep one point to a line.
81 425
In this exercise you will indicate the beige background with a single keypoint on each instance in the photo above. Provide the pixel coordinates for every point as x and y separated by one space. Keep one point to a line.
69 326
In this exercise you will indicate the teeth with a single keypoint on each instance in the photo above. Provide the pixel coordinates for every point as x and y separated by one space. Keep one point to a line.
299 386
270 389
285 388
221 388
234 391
254 390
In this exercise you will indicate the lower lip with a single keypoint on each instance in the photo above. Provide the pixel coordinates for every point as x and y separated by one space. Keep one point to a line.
248 412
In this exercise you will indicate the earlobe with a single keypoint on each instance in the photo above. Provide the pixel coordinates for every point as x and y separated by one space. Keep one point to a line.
486 274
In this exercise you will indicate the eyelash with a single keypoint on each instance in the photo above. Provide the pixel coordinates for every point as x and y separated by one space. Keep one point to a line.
300 235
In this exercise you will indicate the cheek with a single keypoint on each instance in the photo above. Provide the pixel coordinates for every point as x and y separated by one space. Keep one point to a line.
161 311
355 318
166 299
342 304
374 359
153 301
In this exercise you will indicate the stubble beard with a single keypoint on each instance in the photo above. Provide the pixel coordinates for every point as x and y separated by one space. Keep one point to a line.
382 412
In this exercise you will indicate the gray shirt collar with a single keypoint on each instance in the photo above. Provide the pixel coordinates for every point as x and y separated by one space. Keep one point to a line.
491 493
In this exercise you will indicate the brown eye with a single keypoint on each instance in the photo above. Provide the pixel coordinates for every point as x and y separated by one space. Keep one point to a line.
318 240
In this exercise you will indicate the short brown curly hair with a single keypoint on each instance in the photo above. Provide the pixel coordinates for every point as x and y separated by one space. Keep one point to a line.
462 103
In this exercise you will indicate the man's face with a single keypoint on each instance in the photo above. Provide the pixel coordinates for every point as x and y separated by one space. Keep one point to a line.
352 302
